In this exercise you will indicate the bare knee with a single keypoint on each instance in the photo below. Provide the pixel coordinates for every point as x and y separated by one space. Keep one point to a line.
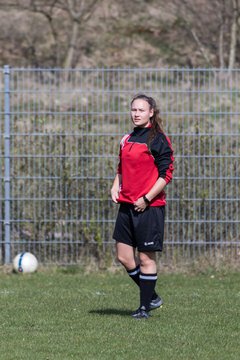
126 256
148 262
126 261
122 259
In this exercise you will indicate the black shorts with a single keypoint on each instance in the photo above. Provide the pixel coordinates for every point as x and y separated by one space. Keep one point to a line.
141 230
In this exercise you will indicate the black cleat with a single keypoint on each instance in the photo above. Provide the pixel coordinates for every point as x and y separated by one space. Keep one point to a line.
140 313
156 303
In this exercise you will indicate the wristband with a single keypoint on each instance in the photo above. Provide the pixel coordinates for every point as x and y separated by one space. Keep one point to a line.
146 200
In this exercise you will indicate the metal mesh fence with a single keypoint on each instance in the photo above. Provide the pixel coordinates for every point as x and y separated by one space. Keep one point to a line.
60 133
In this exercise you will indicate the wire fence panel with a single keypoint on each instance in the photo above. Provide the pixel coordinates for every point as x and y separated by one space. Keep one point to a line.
1 165
64 128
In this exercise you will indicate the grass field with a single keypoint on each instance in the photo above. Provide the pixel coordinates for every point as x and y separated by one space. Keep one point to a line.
65 314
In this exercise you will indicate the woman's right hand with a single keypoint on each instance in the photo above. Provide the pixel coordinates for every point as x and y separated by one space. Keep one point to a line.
115 195
116 188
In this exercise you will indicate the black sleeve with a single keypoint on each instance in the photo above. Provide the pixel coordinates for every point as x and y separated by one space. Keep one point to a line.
162 152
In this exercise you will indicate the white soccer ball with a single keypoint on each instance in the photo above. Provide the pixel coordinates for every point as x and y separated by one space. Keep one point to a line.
25 262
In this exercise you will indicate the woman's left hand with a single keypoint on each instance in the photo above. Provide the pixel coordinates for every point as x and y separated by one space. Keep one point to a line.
140 205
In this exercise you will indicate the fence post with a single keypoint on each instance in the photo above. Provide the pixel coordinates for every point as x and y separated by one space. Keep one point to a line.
7 164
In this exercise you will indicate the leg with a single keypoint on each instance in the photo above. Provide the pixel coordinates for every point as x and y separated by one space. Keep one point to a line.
147 279
123 232
126 255
148 262
149 230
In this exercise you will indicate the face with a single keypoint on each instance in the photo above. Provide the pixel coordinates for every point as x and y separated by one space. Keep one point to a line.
141 113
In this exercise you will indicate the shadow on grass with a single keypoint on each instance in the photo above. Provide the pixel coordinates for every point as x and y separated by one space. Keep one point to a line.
111 312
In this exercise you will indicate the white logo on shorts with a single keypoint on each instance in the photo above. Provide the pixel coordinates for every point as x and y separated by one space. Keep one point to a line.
149 243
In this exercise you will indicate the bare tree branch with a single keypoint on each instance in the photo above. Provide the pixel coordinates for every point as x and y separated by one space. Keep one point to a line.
200 45
78 15
234 31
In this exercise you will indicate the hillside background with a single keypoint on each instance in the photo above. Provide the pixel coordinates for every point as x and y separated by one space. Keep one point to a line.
113 33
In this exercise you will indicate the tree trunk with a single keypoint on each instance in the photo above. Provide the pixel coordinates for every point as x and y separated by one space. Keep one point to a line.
221 49
68 63
233 38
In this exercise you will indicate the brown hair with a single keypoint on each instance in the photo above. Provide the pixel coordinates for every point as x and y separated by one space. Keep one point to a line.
155 120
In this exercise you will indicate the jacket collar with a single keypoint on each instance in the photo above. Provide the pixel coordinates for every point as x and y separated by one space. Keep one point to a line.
141 131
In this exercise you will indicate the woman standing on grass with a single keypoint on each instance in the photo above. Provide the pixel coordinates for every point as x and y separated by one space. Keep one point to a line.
145 167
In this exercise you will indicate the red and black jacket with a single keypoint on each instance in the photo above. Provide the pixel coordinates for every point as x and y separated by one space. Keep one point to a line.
140 168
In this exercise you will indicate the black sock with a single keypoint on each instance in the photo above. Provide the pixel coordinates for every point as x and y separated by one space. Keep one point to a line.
147 284
134 274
